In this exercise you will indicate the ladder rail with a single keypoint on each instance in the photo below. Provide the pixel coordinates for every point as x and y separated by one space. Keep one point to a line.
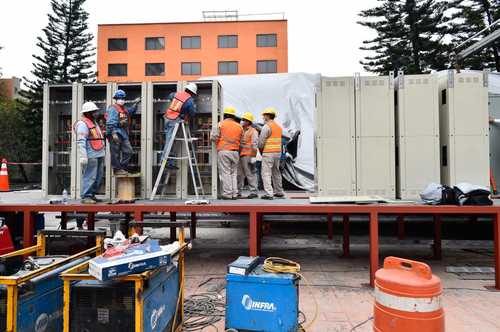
191 156
196 162
164 160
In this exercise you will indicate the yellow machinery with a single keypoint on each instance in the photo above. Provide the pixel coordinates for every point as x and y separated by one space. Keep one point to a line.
144 313
30 288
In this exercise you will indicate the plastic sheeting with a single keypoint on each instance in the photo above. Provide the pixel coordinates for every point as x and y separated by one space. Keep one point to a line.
293 96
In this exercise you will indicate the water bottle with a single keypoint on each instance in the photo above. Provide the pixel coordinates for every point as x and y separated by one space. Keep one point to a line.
65 196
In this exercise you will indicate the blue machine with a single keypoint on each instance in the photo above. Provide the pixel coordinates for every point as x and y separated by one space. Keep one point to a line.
105 306
262 301
40 300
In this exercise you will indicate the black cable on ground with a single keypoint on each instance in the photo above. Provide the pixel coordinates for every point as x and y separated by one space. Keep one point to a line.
203 310
361 324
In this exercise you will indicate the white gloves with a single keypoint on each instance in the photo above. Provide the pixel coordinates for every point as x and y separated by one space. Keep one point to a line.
84 161
253 160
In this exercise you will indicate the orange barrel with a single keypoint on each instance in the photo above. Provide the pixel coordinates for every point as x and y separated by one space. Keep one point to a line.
407 298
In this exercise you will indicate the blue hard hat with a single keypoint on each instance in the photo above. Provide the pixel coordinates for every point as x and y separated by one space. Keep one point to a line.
119 94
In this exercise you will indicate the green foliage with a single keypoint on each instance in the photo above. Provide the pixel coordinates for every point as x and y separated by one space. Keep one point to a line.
16 142
470 17
65 56
410 36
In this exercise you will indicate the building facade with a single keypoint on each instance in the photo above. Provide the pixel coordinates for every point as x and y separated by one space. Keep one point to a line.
189 50
10 88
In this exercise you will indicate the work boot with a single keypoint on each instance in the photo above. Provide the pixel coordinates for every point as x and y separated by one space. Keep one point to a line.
266 197
120 172
226 197
87 200
239 196
97 200
279 195
252 195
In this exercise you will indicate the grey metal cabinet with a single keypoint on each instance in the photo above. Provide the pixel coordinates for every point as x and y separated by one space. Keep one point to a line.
375 141
417 133
464 131
58 141
335 137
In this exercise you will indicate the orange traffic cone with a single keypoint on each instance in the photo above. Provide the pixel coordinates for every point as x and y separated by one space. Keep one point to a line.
4 177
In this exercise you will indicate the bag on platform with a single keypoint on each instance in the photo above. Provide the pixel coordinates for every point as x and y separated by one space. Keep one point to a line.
438 194
470 194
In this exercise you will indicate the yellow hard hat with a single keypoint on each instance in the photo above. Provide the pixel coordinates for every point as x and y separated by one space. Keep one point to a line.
270 110
230 111
248 116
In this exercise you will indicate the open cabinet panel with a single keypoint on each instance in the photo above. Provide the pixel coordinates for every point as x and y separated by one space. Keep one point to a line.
137 133
100 94
157 106
58 140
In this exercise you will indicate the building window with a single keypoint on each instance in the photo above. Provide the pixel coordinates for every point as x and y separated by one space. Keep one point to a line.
228 41
155 69
155 43
117 44
228 67
191 68
267 40
191 42
267 66
117 69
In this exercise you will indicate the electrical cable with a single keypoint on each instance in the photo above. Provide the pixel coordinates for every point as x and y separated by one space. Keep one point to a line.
282 265
203 310
362 323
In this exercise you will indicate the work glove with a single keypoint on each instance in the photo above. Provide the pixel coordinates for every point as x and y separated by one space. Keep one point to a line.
253 160
84 161
116 138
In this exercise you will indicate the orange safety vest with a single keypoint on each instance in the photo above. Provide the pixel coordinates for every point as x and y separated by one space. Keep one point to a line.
174 110
273 142
96 139
246 147
230 135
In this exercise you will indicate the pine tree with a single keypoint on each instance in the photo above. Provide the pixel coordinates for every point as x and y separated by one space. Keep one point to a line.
410 36
470 17
65 56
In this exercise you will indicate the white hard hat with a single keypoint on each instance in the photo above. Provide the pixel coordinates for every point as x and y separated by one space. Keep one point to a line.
192 87
89 107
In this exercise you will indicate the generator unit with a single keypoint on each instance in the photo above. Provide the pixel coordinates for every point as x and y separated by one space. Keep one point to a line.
260 301
38 304
112 305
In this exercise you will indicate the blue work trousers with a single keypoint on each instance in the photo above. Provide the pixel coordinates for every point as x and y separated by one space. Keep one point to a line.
92 177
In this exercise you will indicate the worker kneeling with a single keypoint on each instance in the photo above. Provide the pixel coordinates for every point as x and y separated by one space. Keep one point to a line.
248 152
91 149
270 148
228 137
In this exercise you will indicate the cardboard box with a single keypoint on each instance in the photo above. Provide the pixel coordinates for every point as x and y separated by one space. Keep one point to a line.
136 259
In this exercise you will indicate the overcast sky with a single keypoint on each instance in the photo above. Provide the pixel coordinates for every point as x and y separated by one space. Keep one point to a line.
323 36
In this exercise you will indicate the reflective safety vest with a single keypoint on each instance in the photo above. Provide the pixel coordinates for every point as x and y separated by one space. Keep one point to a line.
95 138
230 135
247 149
122 115
174 110
273 142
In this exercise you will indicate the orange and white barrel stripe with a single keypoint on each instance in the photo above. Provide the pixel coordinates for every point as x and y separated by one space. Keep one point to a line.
407 298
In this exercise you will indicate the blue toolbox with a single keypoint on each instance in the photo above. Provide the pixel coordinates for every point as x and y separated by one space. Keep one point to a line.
105 306
262 301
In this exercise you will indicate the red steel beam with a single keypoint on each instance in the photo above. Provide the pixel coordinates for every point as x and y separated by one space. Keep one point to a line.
374 259
496 236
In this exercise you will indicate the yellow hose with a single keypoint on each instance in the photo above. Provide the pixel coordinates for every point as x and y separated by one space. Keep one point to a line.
283 265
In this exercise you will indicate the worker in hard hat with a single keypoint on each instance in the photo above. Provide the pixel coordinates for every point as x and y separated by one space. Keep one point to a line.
227 137
117 122
248 153
270 147
91 152
181 107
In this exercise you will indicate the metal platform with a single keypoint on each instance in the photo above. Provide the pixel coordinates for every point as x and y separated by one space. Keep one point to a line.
256 209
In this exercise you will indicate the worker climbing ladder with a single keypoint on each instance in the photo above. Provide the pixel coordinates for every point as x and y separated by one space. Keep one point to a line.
191 157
